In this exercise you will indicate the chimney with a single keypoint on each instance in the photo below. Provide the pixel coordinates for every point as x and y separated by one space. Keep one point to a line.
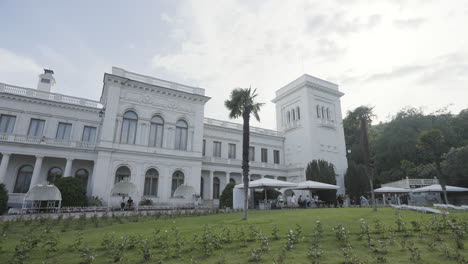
46 81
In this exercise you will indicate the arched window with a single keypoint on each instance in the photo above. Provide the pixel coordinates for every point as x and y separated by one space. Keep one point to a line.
323 112
328 113
177 180
216 186
54 174
298 113
232 181
318 111
129 128
156 131
23 179
181 135
122 174
288 116
293 115
83 175
202 182
151 182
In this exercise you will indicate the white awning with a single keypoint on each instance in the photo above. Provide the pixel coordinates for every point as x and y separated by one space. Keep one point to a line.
43 193
313 185
438 188
124 189
185 191
391 190
266 182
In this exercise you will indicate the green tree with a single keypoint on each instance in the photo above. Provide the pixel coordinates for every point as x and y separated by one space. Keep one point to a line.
356 180
360 120
241 104
226 196
434 143
73 191
455 166
3 198
322 171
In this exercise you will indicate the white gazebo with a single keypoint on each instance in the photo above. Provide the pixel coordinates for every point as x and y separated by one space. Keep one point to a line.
438 188
264 183
391 190
314 185
43 197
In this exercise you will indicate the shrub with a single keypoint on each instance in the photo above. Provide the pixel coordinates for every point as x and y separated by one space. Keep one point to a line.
73 191
3 198
145 202
226 197
94 201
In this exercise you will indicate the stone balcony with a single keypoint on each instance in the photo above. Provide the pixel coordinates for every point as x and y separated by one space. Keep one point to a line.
22 139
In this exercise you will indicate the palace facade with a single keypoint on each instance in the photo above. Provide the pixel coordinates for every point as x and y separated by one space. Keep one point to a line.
154 133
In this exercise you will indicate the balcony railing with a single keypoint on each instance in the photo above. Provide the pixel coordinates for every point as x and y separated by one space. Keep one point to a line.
33 93
225 161
226 124
45 141
327 123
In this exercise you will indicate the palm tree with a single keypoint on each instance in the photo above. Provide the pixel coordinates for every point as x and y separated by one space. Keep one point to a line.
242 104
361 119
434 142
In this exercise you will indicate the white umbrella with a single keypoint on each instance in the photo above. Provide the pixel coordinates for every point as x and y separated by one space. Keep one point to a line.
438 188
313 185
266 182
391 190
124 188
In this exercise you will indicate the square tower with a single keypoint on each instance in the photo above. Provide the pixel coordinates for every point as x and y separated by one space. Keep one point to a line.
308 112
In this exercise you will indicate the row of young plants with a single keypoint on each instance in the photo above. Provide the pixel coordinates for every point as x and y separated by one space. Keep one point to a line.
164 245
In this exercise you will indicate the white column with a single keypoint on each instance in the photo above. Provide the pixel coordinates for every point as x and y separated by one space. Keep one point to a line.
227 179
210 189
4 166
68 168
35 179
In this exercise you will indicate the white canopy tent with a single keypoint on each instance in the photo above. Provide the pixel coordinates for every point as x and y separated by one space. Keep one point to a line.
123 189
438 188
313 185
264 183
40 194
391 190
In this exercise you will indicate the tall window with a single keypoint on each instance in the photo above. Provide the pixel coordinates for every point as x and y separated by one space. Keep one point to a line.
129 128
122 174
83 175
151 182
7 123
63 131
36 127
156 131
89 134
177 180
216 186
276 156
264 155
216 149
23 179
318 111
298 113
293 115
181 135
323 112
288 116
251 154
204 148
232 151
54 174
328 113
202 182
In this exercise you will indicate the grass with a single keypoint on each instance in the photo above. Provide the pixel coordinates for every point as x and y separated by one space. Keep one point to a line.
131 238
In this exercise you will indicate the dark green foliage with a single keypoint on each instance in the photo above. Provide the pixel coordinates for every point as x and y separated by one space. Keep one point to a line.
145 202
322 171
356 181
73 191
456 166
226 196
3 198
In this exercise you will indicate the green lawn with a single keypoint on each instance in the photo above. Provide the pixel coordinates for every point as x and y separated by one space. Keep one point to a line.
34 241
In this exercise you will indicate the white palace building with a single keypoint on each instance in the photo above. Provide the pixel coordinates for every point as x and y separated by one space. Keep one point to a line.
154 134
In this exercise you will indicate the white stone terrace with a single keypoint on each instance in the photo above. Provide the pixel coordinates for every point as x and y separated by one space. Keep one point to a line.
60 98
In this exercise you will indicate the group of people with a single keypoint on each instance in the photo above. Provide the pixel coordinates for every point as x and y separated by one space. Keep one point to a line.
126 205
300 202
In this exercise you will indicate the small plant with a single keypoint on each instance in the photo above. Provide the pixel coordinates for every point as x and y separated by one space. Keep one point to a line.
401 225
318 231
350 256
416 226
458 233
415 253
81 223
226 236
292 239
145 249
341 233
275 235
146 202
95 220
315 253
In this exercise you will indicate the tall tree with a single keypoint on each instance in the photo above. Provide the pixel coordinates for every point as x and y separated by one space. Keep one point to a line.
361 119
433 142
322 171
241 103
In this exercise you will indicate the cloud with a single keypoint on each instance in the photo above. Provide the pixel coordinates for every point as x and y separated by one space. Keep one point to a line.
18 69
397 73
411 23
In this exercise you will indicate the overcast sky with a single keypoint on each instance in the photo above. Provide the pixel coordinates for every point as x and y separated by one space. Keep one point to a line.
389 54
